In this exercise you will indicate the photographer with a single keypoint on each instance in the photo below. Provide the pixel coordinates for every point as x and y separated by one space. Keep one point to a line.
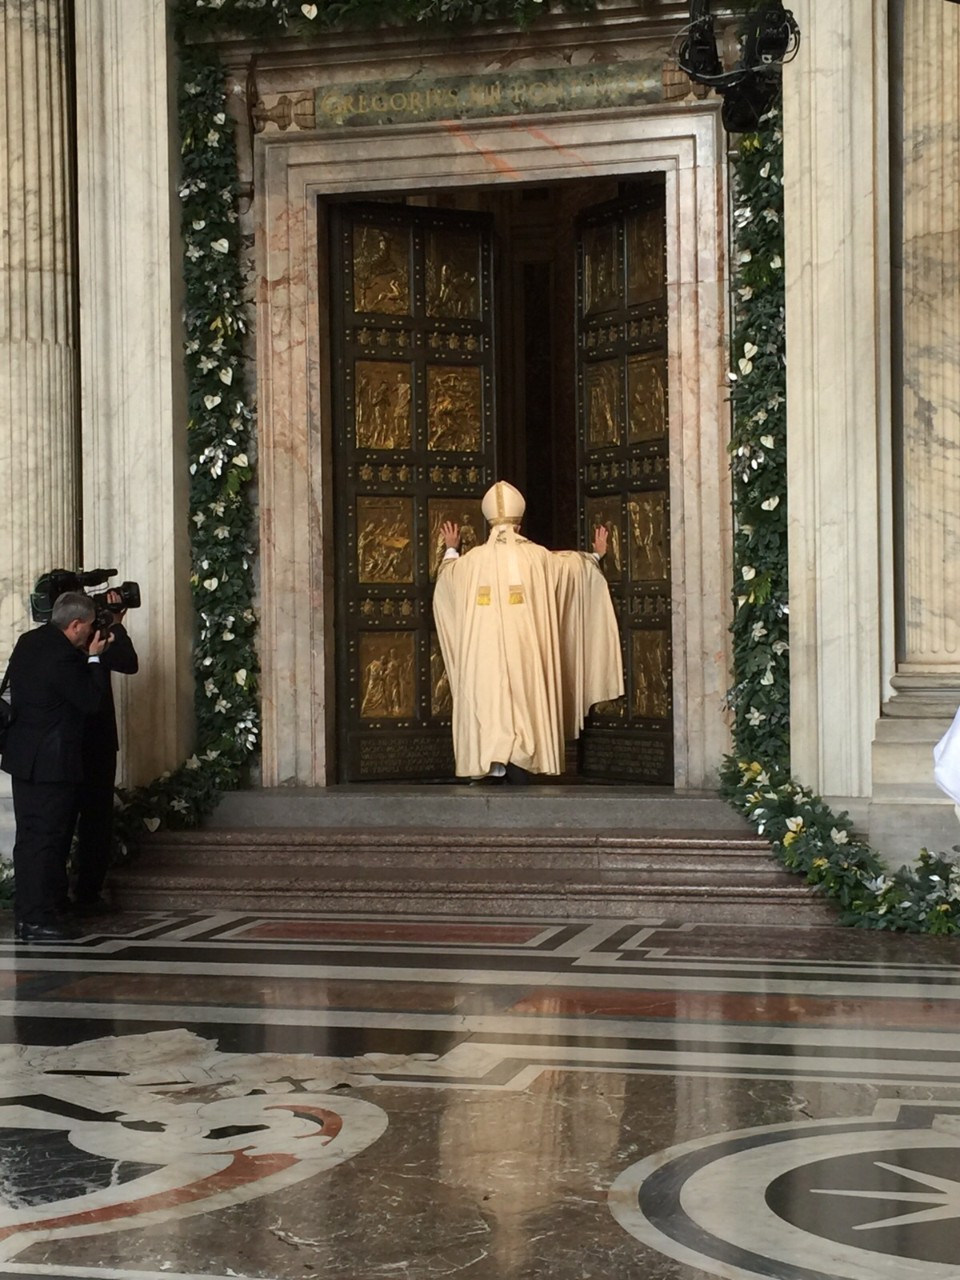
100 747
57 680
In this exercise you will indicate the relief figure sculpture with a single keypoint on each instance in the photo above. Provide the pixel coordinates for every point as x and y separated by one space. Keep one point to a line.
453 283
383 401
387 676
453 409
647 391
442 512
600 284
381 270
651 687
441 701
645 256
384 540
647 514
603 404
605 512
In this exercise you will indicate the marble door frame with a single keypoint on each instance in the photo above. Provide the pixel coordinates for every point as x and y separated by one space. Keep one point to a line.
297 530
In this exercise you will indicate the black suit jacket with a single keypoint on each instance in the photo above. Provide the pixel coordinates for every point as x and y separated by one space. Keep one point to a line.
100 732
53 688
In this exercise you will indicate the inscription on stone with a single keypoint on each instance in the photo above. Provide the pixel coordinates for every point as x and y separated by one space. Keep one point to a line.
405 756
508 94
636 757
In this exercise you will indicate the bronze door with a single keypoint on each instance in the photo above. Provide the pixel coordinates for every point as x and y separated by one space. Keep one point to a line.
413 396
624 471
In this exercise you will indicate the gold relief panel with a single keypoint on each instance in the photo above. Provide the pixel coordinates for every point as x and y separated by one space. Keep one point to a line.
383 395
387 675
454 408
647 518
647 396
651 674
384 539
606 512
464 512
441 700
603 403
381 270
601 273
646 261
612 709
453 274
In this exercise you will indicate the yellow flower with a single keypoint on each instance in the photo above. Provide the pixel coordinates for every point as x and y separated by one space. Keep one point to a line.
789 838
820 862
944 906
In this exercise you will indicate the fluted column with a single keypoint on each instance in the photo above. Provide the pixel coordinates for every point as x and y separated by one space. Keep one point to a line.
838 289
135 467
931 341
38 301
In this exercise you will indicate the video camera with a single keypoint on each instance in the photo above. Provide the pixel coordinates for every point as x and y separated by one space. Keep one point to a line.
50 585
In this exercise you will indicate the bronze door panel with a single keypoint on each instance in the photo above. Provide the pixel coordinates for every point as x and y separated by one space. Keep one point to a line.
624 471
413 396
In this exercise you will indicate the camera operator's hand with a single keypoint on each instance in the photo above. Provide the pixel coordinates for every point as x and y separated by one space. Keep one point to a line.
114 598
99 641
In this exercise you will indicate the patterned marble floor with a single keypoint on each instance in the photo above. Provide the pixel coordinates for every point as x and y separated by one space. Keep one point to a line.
367 1098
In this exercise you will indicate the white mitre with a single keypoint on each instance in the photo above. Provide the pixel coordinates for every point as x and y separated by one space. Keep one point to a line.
503 504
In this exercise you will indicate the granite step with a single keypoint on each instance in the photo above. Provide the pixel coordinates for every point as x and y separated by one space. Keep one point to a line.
447 871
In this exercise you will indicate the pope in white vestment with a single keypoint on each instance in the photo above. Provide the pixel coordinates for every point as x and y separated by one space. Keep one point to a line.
530 642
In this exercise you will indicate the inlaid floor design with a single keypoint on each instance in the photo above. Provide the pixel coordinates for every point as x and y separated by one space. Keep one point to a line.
364 1098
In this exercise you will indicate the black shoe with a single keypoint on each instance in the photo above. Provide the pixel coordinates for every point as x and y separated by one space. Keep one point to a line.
516 776
63 931
84 907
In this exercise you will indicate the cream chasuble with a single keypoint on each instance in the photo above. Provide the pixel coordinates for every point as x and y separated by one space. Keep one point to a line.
530 642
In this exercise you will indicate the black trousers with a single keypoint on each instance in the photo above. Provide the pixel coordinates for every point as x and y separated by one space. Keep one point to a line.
95 828
46 813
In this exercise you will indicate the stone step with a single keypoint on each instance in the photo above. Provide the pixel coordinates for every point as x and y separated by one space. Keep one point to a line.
431 871
536 807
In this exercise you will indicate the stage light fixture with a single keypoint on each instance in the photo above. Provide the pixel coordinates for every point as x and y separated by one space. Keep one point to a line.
770 37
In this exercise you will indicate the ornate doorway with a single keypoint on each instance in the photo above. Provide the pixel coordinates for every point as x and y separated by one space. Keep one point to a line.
413 397
624 471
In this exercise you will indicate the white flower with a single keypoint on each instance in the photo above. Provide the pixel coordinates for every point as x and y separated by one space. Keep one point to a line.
221 532
211 754
839 836
206 363
758 631
780 647
212 138
776 262
879 885
228 635
193 252
198 518
220 118
193 763
746 293
217 507
221 706
795 824
755 717
771 215
226 376
767 441
748 572
241 677
770 504
209 687
211 402
151 823
309 11
767 677
241 460
192 346
211 584
765 171
749 350
180 805
220 246
759 416
744 256
746 366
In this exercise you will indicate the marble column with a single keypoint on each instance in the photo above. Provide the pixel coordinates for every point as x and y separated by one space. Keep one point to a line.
837 270
908 809
931 343
134 413
38 317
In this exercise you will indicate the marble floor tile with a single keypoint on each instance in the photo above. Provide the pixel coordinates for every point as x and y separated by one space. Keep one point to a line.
361 1098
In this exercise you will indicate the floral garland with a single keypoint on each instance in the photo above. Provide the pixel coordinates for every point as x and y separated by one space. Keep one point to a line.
805 834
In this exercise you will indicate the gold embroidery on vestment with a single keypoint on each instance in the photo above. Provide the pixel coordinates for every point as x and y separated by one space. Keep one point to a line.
483 595
516 595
